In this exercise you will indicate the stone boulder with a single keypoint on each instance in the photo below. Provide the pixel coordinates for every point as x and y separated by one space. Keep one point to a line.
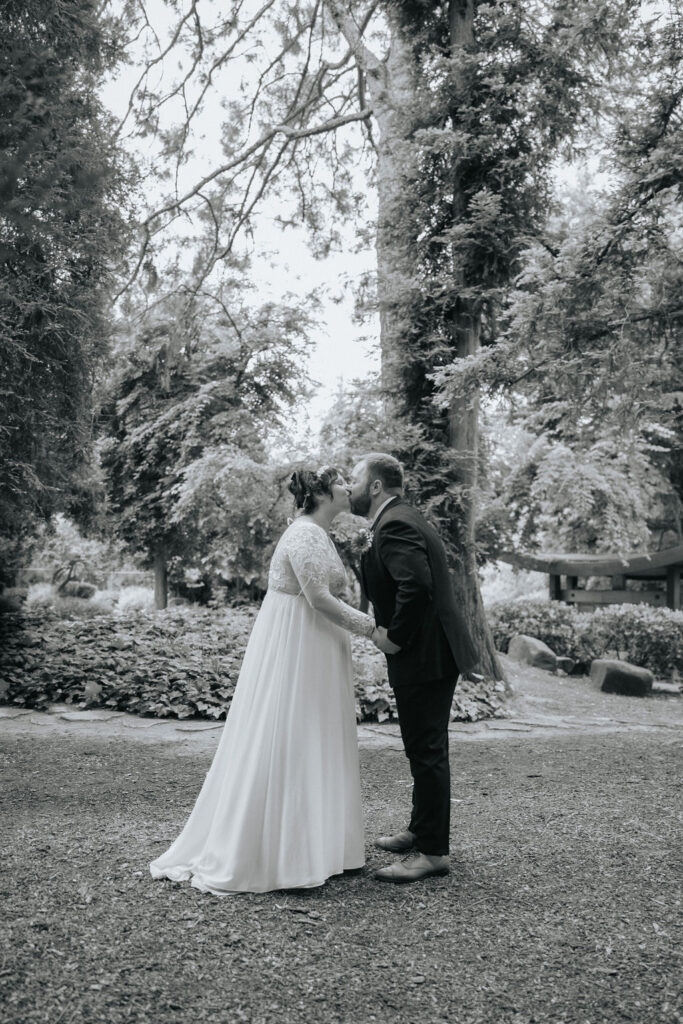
531 651
614 676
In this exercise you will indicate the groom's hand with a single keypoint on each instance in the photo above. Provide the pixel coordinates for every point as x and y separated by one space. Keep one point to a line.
382 641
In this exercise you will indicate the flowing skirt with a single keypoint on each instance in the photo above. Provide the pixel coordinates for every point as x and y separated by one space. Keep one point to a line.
280 807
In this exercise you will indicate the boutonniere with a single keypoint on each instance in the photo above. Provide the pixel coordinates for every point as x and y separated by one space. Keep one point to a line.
363 541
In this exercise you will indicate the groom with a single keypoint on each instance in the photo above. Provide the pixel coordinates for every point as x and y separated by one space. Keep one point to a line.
405 576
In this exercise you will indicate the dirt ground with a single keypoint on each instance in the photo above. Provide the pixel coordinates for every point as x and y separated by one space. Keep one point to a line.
562 906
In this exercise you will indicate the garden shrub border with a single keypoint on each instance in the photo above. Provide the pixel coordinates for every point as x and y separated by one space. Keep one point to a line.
181 664
644 635
185 663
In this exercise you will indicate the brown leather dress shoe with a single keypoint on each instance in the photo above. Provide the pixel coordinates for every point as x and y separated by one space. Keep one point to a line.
400 843
414 870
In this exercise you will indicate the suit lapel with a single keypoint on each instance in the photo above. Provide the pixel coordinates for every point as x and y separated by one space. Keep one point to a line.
365 559
398 500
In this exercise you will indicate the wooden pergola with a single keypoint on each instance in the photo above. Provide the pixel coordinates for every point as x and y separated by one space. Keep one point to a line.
564 572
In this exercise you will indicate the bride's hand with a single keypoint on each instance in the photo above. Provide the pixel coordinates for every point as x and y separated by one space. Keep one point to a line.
382 641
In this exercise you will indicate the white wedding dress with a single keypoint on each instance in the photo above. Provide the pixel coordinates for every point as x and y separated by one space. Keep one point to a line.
280 807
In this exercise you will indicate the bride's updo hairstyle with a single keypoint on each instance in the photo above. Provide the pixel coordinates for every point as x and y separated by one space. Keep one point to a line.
308 486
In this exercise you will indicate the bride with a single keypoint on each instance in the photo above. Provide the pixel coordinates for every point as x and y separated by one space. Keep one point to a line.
280 807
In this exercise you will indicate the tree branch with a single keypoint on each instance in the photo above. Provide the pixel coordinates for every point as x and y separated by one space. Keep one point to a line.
326 126
353 33
156 60
307 98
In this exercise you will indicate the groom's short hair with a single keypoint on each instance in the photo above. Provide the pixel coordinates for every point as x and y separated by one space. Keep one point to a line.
386 468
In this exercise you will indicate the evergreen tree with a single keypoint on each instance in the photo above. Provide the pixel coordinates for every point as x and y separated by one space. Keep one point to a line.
62 200
590 336
195 393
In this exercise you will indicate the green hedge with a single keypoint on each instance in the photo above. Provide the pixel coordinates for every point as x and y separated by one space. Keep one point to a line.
167 665
184 663
647 636
181 664
554 623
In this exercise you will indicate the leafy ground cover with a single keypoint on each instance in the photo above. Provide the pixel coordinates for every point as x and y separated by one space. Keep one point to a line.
180 664
561 908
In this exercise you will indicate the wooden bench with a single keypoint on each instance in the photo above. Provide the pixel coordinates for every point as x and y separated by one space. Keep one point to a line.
564 572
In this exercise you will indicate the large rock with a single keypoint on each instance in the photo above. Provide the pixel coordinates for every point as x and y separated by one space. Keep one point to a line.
614 676
531 651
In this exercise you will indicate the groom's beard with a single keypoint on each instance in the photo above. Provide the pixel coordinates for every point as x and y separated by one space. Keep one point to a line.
360 505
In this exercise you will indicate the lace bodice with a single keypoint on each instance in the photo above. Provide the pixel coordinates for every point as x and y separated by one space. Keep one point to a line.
305 562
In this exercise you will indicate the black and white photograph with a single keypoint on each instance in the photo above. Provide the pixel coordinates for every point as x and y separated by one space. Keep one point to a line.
341 511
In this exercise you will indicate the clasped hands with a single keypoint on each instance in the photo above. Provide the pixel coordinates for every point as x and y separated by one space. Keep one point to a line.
381 640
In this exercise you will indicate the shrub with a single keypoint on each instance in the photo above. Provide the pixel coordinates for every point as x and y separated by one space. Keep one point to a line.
77 588
60 541
551 621
40 595
11 599
80 608
135 599
375 700
35 574
44 597
181 663
647 636
160 665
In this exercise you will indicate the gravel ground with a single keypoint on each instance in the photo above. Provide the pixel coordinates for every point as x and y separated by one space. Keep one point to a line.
561 907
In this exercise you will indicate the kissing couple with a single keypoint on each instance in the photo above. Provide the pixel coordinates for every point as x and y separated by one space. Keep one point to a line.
280 807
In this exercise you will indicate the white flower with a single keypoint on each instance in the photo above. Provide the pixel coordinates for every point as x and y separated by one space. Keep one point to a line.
363 540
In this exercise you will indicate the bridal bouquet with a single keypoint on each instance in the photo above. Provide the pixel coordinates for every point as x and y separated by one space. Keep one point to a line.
352 537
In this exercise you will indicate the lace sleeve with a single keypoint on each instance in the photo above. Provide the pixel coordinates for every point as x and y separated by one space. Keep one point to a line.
352 620
309 555
310 559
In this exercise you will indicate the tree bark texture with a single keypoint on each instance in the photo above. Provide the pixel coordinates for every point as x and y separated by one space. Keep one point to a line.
391 89
464 411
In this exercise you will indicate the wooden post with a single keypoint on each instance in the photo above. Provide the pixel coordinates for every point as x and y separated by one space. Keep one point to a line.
160 579
673 587
555 587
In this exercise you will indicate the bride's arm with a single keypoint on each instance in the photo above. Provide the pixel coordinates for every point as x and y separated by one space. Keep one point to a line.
309 558
337 611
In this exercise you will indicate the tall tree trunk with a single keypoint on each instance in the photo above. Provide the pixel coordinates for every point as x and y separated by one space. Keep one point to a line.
392 90
464 440
464 411
160 578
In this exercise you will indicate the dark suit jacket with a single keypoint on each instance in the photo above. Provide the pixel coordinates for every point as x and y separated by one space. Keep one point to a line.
405 576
